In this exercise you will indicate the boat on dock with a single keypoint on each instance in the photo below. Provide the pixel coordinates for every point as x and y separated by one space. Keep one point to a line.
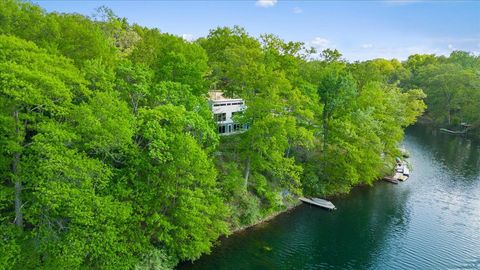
401 172
319 202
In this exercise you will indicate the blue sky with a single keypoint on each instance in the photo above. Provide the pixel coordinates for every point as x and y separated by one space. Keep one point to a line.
359 29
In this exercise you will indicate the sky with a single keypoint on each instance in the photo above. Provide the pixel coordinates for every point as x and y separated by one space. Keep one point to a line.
360 30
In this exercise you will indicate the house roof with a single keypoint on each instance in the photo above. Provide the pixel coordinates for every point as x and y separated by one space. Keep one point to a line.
217 96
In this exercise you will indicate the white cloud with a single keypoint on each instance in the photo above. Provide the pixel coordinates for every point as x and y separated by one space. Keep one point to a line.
319 43
266 3
367 46
188 37
297 10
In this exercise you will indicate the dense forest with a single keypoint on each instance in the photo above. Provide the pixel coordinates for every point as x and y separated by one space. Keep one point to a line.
109 154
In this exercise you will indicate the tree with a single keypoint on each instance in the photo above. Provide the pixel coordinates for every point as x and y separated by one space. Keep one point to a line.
34 86
446 86
172 59
54 132
179 202
81 39
336 90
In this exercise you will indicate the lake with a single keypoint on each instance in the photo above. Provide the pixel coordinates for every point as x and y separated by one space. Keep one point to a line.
431 221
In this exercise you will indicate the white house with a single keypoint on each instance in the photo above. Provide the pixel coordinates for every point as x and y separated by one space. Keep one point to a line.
223 110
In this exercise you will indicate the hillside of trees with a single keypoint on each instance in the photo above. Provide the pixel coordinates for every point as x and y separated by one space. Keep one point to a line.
109 156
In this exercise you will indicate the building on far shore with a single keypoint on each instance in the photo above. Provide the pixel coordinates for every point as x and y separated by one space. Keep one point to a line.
223 110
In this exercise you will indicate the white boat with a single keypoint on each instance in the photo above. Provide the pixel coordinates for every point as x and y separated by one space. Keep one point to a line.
319 202
406 171
400 167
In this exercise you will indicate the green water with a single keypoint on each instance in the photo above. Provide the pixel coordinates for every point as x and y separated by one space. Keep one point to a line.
431 221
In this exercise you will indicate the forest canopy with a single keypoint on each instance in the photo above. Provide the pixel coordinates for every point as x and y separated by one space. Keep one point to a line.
109 153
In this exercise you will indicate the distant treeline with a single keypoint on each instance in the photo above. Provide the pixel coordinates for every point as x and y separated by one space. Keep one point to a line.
109 156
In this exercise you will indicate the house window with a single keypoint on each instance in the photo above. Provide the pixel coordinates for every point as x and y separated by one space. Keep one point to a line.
221 129
219 117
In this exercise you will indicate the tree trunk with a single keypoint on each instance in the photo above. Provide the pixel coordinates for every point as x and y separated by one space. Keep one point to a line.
325 134
16 180
247 171
449 117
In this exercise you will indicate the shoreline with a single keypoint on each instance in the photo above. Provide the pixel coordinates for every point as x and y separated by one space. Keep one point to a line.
270 217
334 196
265 219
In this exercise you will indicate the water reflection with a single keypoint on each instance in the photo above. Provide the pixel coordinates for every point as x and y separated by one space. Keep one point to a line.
458 154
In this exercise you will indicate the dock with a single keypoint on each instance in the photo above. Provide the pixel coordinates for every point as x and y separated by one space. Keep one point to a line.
401 173
319 202
391 179
453 131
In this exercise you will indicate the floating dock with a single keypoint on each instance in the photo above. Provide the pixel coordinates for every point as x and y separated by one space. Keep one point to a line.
391 179
319 202
453 131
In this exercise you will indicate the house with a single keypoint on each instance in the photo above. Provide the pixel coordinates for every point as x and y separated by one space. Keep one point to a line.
223 110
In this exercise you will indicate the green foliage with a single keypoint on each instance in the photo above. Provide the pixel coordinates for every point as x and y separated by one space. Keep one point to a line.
67 213
109 156
75 222
173 59
362 119
157 259
379 70
104 126
452 86
100 77
71 35
81 39
29 22
179 201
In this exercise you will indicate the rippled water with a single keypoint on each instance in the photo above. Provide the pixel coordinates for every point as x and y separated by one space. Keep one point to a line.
431 221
